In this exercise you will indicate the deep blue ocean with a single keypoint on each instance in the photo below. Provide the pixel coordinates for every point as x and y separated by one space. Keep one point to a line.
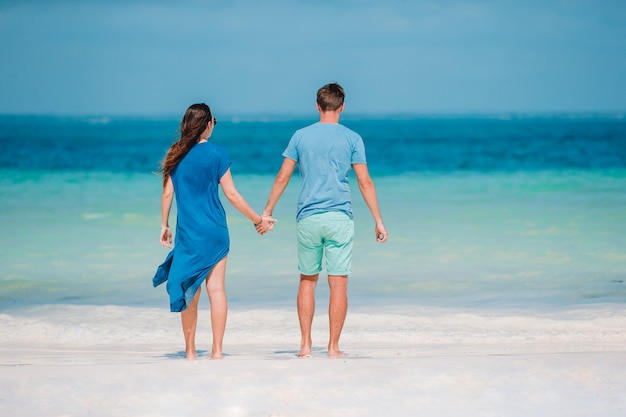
517 210
395 145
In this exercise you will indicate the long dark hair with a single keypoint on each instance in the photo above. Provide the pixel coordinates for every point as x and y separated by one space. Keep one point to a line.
193 124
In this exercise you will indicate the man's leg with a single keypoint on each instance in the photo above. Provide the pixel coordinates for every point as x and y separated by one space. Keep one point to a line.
219 306
189 318
337 309
306 310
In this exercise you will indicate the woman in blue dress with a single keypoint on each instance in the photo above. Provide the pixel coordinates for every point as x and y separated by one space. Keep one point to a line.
192 170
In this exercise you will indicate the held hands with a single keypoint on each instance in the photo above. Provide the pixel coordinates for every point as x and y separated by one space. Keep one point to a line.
265 225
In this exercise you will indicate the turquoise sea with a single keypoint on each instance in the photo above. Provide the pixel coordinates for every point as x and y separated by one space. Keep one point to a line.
511 211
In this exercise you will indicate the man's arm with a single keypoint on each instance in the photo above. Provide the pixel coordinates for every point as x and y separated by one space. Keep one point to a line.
280 183
368 190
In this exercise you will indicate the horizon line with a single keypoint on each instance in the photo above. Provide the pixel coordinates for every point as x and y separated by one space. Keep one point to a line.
285 116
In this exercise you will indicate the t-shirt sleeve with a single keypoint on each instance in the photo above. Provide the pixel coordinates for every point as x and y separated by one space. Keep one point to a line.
223 163
291 151
358 151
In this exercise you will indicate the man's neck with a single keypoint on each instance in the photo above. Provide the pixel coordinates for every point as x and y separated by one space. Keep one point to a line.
330 117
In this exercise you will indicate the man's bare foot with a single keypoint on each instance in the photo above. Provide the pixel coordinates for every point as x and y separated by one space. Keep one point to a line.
191 356
337 354
304 352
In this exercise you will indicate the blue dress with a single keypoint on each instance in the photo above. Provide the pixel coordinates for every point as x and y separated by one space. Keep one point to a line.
201 239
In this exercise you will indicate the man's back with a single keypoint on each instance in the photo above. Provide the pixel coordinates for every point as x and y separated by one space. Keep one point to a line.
325 153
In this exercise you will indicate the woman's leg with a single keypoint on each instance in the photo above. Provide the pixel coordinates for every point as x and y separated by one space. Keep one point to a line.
189 318
219 305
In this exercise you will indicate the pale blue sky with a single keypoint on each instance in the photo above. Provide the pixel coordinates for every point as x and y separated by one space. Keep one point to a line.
242 56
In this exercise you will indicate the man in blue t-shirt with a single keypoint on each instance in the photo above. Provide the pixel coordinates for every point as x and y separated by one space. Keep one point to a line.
326 152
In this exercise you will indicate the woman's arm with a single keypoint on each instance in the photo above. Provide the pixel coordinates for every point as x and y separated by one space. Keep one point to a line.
262 223
166 205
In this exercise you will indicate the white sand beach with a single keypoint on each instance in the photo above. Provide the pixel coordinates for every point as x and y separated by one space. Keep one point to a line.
109 360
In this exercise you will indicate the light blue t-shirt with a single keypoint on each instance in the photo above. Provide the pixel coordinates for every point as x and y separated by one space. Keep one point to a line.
325 153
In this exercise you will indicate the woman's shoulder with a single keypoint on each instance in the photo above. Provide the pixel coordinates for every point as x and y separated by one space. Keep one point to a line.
218 152
207 152
210 147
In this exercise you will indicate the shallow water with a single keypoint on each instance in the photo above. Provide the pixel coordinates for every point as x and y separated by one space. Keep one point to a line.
508 239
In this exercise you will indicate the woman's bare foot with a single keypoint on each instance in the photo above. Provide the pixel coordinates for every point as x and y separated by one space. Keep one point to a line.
191 356
216 355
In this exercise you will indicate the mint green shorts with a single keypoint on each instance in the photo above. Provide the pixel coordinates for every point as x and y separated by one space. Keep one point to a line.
328 235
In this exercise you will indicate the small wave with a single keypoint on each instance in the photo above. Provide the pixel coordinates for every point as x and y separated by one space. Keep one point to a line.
95 216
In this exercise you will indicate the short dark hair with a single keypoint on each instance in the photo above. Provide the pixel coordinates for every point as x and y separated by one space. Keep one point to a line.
330 97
